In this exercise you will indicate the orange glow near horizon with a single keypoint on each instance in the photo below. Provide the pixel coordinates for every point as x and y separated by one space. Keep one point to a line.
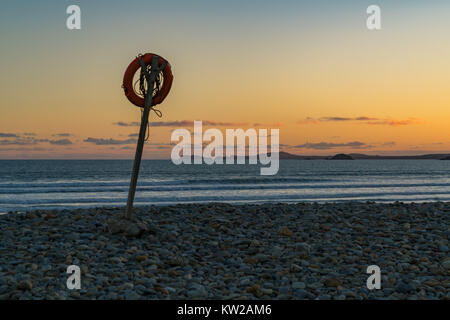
337 84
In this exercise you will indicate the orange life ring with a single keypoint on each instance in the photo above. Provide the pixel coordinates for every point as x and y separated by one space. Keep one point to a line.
128 81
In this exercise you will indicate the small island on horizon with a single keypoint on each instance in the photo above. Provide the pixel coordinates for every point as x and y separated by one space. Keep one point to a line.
359 156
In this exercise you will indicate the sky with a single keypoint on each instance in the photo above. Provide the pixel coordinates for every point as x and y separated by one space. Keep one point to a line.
309 68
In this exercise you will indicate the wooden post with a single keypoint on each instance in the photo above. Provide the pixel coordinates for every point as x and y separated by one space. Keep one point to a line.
150 78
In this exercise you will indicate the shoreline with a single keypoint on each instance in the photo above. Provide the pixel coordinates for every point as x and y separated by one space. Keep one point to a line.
230 202
303 250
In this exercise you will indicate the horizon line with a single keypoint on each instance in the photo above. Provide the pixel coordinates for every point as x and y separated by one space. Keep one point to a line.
293 154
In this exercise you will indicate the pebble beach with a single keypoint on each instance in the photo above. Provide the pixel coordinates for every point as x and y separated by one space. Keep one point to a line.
224 251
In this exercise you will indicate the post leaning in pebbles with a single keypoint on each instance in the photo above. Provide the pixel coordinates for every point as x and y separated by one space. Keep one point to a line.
150 78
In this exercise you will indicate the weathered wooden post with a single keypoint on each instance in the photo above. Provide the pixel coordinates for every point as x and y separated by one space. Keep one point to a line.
160 71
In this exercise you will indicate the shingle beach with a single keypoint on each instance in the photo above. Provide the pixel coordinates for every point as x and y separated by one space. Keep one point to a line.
224 251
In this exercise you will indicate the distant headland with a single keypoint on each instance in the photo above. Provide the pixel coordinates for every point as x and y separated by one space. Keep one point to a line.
353 156
360 156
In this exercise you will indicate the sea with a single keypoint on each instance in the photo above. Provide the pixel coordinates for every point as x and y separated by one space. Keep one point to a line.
64 184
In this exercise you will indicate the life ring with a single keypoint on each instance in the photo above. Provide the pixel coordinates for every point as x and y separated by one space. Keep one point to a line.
128 81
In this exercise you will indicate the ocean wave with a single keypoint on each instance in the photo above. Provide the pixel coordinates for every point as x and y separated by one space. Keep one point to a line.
100 188
219 197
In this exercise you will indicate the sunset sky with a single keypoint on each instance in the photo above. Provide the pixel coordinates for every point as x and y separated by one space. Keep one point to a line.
310 68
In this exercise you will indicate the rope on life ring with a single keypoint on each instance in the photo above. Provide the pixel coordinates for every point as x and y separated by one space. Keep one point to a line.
134 66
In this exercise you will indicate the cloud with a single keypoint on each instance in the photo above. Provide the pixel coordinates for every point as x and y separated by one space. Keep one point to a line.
330 145
395 123
29 134
268 125
150 145
361 119
127 124
18 142
389 144
132 135
62 142
161 147
337 119
8 142
181 123
25 149
364 119
223 124
104 142
32 141
65 134
8 135
429 144
308 120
